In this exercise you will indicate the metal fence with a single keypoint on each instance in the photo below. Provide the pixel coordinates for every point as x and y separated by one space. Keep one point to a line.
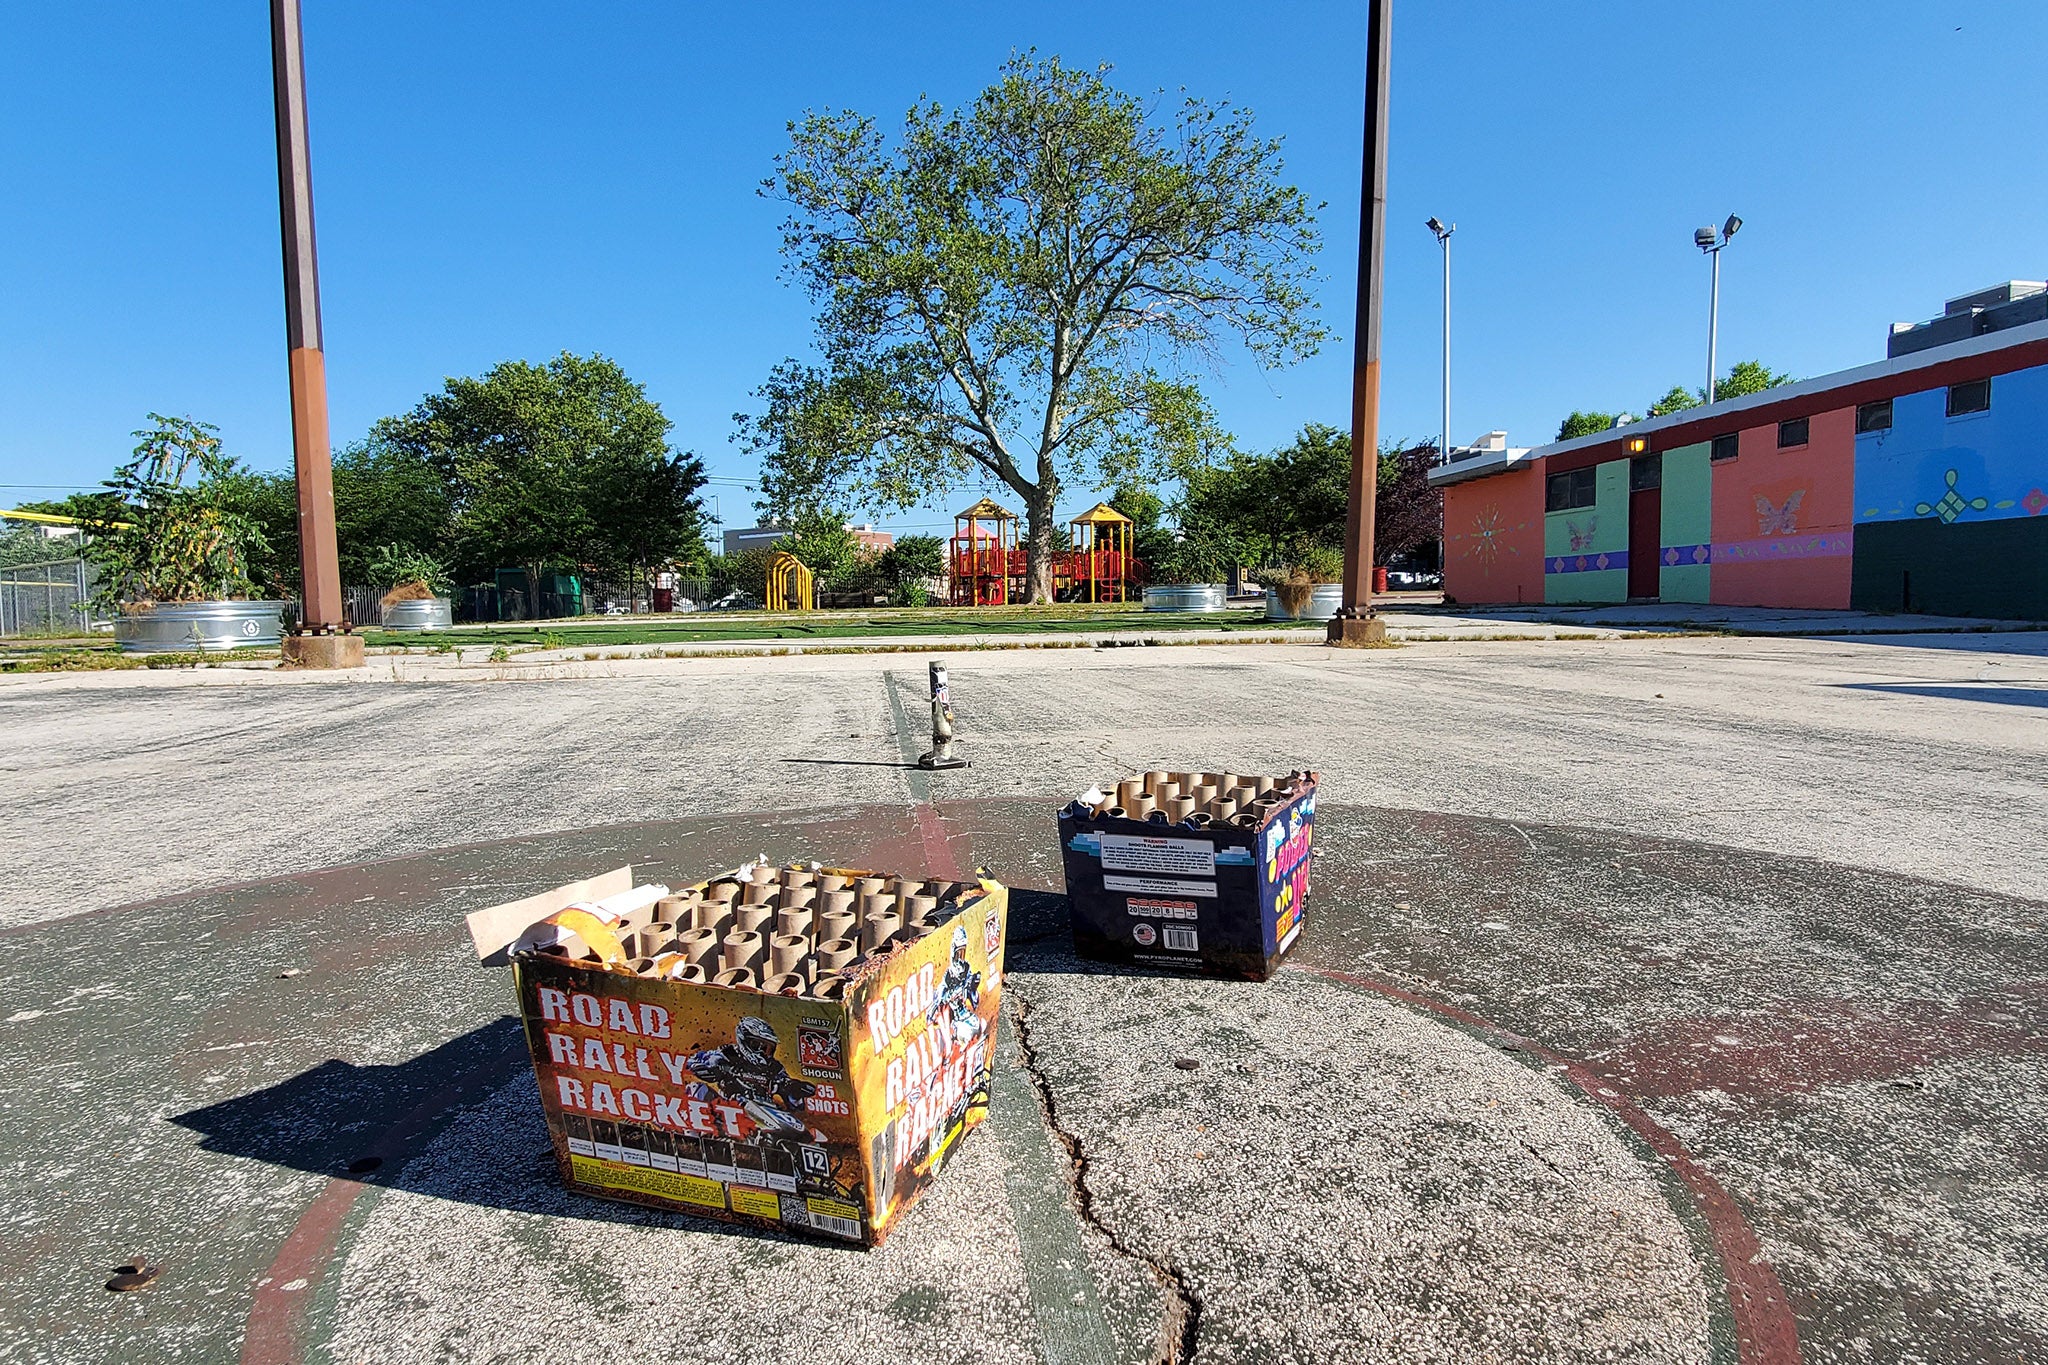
51 597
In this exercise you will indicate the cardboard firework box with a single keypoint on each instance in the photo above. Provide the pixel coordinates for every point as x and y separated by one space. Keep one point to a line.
825 1105
1193 872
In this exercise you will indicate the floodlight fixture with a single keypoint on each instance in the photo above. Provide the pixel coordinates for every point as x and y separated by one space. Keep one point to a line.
1703 238
1731 227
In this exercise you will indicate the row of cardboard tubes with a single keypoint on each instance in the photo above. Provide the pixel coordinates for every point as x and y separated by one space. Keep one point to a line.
786 931
1198 799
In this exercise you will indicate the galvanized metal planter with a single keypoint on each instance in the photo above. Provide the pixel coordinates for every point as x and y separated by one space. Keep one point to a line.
1322 604
420 613
1187 597
203 627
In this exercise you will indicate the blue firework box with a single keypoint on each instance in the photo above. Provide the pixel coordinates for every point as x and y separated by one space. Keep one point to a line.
1226 899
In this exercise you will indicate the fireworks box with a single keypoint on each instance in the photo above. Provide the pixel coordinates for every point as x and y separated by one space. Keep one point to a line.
1194 872
792 1048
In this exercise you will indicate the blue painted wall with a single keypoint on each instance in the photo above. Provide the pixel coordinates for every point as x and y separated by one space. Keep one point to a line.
1999 458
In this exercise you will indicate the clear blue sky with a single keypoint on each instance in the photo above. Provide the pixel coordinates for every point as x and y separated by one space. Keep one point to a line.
516 179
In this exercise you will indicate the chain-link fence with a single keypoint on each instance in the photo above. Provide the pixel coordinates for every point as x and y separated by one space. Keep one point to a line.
51 597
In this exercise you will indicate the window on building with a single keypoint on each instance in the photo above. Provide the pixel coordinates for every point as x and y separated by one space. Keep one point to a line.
1568 491
1974 396
1874 416
1727 447
1645 471
1792 433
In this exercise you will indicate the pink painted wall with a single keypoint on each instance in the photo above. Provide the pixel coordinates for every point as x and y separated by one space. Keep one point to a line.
1784 519
1493 538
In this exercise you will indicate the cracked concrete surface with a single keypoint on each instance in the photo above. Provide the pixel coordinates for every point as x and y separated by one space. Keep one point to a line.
1895 1198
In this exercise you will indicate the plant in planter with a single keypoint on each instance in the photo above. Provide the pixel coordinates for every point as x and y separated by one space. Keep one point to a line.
174 552
416 587
1294 587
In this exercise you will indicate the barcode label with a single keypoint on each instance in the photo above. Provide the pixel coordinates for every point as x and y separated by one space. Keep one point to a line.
838 1227
1181 939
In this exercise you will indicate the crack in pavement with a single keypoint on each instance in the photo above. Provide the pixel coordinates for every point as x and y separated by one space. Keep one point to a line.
1183 1318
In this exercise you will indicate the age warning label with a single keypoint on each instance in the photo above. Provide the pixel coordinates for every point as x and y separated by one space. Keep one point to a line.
1159 886
1144 853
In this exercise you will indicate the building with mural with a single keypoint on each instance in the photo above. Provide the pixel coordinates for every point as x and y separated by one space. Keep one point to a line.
1919 483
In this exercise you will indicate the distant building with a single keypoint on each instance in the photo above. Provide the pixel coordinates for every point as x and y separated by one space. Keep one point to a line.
766 537
1919 483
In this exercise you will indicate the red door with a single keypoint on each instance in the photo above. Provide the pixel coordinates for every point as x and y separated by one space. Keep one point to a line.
1645 525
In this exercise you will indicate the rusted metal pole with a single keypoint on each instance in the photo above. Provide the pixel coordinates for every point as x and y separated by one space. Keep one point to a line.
312 464
1355 622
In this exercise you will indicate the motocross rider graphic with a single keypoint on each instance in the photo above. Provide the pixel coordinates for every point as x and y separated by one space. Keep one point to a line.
958 1003
747 1073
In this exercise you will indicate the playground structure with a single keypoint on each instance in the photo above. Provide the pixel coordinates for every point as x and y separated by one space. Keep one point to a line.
1100 559
988 567
789 586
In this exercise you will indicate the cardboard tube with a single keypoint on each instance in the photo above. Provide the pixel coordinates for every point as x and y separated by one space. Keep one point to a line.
763 874
641 966
1113 813
1156 779
760 893
836 954
1244 819
838 924
797 876
754 916
723 892
1142 808
674 908
698 945
1223 811
877 928
829 988
1179 809
1219 779
1263 784
880 904
1129 790
788 983
741 948
738 978
788 921
689 971
834 901
799 897
786 952
871 886
919 907
833 881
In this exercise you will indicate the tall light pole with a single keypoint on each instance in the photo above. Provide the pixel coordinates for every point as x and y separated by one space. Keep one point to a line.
1443 239
1711 242
1355 622
323 639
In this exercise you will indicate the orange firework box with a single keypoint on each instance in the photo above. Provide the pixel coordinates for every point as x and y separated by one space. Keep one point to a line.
711 1051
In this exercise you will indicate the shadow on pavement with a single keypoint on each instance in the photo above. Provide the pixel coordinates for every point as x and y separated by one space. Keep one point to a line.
369 1123
2002 696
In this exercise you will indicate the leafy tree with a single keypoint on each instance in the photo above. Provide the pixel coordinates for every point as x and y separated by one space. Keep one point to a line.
1020 289
561 463
385 494
830 551
1585 423
166 529
907 566
1409 513
1677 399
1151 537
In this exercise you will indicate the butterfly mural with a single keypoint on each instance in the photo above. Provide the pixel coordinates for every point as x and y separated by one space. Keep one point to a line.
1781 519
1583 540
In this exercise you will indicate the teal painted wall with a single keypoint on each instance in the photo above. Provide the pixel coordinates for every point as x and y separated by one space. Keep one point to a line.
1687 531
1584 536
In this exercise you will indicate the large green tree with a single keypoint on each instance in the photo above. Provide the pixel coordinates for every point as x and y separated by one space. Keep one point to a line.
1024 289
564 463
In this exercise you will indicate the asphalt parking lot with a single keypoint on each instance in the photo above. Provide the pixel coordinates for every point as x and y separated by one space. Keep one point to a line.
1664 1000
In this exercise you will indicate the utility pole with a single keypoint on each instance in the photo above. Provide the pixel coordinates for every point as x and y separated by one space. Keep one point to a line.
1443 239
1355 622
323 639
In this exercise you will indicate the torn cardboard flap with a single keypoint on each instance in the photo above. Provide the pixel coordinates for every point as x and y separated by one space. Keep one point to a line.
495 929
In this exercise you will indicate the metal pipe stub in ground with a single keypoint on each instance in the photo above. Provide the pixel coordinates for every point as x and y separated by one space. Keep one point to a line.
941 753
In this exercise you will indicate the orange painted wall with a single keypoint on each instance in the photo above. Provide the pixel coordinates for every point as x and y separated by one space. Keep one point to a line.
1784 520
1493 538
